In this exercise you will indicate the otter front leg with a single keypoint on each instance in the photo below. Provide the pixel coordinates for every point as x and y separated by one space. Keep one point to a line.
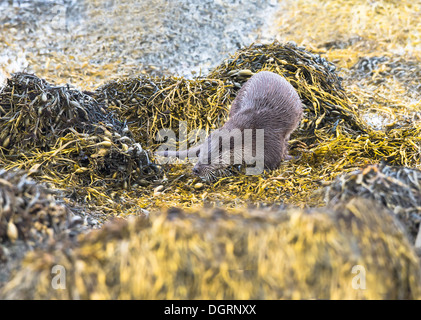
284 148
286 156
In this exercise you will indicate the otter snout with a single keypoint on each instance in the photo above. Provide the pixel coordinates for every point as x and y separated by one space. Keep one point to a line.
196 171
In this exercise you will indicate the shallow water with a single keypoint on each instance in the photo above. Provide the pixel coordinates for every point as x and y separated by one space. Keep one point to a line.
85 42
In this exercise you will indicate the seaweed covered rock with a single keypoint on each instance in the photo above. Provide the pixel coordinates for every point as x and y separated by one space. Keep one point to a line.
332 138
258 254
314 78
66 135
397 188
150 103
154 103
28 211
332 127
34 113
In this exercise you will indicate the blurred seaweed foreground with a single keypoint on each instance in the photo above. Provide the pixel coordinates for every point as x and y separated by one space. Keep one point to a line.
292 254
93 149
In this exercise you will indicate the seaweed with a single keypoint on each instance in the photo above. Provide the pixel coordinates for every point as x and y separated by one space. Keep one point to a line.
28 212
63 136
252 254
397 188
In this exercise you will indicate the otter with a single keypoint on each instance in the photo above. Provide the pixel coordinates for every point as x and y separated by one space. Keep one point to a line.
262 117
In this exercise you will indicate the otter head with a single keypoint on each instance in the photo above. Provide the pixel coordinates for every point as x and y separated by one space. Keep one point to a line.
221 149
